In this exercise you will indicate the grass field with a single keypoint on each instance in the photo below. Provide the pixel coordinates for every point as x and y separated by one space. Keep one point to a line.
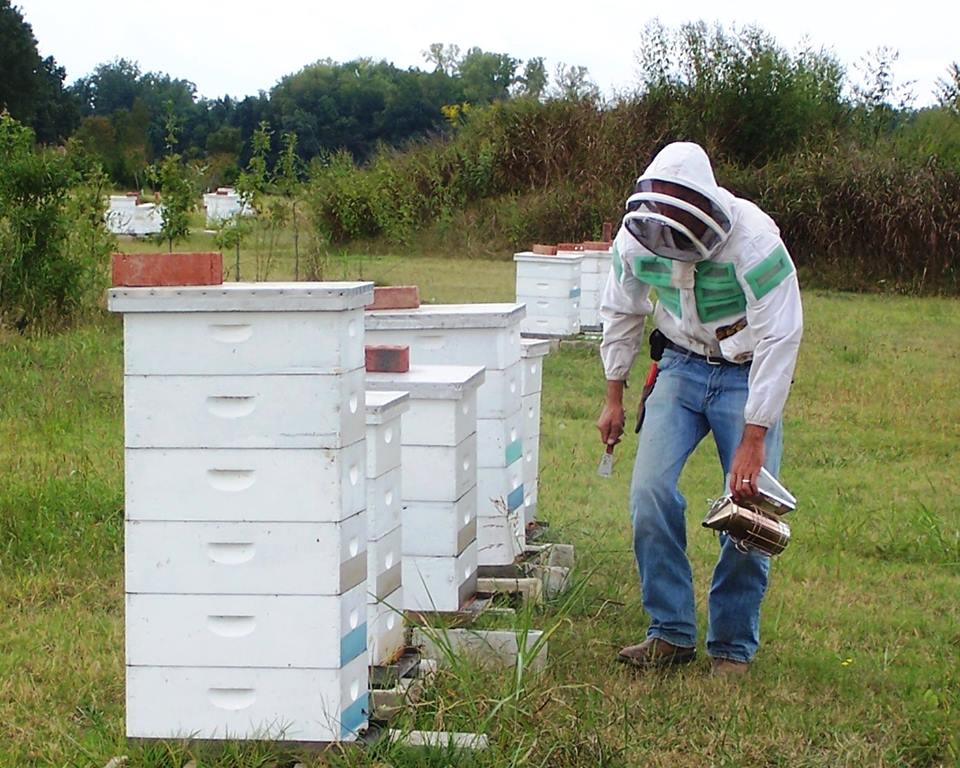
860 660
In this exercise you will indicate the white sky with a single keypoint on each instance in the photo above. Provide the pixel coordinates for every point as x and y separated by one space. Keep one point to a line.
241 47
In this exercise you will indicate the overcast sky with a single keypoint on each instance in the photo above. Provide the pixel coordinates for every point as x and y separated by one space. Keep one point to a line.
240 47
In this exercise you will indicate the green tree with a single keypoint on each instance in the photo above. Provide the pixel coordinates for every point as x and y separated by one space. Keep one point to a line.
948 89
445 58
485 76
31 87
533 81
53 243
880 99
177 183
739 94
573 83
286 181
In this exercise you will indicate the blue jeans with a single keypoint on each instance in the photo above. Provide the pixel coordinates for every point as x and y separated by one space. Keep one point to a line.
690 399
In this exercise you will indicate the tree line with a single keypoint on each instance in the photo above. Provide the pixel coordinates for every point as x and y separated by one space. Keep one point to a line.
121 113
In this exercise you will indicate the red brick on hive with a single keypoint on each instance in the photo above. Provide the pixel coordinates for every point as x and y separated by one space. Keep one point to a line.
569 247
140 270
387 358
395 297
544 250
596 245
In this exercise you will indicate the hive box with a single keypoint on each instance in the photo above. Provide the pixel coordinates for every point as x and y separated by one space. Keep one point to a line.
248 702
549 286
384 413
439 471
246 530
475 334
534 350
594 270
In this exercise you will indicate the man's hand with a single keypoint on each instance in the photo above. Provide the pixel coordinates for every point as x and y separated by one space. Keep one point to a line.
747 462
612 418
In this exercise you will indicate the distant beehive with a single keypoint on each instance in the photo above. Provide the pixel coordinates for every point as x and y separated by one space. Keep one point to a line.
224 204
126 215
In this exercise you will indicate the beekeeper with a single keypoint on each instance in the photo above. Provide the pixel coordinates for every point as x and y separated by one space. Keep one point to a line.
729 324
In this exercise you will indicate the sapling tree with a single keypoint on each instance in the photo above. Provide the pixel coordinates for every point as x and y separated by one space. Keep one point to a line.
286 181
177 184
251 186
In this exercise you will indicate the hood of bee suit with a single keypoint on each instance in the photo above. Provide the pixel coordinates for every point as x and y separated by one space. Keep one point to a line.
670 222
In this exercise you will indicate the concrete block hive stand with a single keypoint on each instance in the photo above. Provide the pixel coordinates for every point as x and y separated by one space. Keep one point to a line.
246 530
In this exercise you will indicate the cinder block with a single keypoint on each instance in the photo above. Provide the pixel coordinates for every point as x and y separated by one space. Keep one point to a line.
528 589
544 250
395 297
387 358
561 555
490 648
439 739
158 269
555 579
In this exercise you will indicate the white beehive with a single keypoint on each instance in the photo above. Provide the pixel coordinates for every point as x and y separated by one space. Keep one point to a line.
593 275
440 583
385 629
534 350
501 528
246 532
224 204
444 526
470 334
439 470
384 556
549 286
384 412
248 702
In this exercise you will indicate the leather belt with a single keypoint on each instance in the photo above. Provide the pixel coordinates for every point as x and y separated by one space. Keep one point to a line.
708 359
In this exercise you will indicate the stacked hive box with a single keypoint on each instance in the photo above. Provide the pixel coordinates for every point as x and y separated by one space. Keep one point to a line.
534 350
439 479
384 542
550 287
488 335
593 275
245 494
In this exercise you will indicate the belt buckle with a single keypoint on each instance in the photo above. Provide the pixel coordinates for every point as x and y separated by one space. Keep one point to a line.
713 360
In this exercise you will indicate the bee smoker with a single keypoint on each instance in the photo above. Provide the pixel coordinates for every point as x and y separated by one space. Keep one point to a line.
754 521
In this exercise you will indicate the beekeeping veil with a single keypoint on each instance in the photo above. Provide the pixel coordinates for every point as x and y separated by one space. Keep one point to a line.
676 210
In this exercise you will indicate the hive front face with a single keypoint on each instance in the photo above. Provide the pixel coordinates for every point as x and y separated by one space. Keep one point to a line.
550 286
246 531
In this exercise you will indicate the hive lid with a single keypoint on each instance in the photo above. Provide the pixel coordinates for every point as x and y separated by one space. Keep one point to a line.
430 382
534 347
442 316
243 297
386 405
564 257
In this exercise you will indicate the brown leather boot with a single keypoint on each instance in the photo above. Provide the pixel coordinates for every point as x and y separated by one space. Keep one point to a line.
654 653
729 667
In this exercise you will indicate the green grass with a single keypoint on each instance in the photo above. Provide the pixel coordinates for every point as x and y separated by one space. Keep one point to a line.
860 659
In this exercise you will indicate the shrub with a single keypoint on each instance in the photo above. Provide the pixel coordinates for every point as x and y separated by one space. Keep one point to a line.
53 244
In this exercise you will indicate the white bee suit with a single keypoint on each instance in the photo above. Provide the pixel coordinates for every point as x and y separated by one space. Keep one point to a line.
747 290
